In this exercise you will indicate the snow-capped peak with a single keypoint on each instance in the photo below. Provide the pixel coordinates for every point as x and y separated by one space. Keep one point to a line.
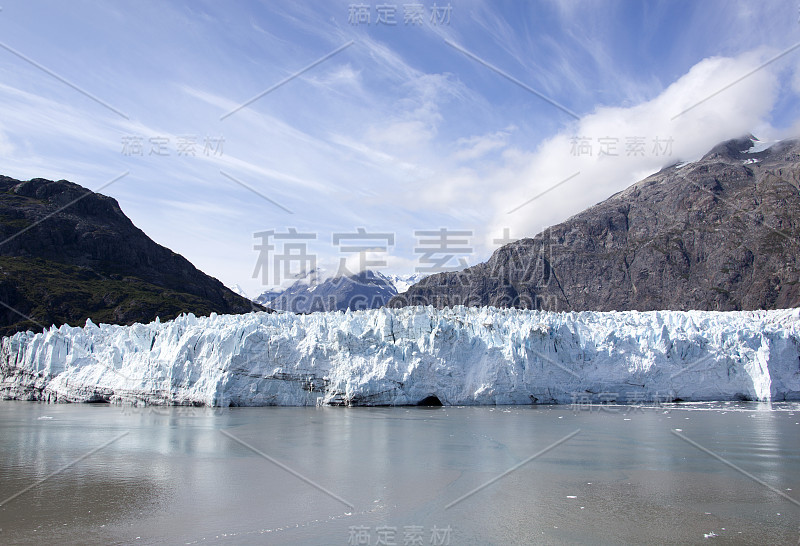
239 290
404 282
761 145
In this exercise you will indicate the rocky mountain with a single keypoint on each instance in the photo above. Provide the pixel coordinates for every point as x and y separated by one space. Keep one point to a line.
721 233
68 254
365 290
268 295
236 289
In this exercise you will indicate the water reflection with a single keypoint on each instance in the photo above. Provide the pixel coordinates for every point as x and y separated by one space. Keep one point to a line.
175 478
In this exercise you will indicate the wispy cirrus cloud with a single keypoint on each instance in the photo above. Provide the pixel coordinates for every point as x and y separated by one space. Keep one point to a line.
399 131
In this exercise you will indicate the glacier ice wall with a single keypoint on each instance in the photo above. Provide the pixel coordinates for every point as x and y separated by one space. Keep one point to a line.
402 356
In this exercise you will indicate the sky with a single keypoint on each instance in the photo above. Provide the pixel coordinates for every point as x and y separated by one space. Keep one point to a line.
402 137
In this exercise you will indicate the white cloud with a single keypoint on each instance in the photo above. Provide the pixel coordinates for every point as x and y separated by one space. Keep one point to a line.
470 187
342 77
736 111
475 147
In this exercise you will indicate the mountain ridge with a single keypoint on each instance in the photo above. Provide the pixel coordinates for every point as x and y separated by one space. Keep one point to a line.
369 289
720 233
364 290
68 254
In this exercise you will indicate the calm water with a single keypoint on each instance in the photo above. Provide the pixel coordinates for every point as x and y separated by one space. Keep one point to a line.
183 475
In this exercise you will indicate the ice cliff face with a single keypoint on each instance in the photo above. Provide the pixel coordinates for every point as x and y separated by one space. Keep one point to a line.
402 356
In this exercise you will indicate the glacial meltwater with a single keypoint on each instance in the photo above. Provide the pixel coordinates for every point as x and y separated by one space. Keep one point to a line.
688 473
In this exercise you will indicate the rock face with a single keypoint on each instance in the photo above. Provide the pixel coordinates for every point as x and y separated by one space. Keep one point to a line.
722 233
67 254
413 356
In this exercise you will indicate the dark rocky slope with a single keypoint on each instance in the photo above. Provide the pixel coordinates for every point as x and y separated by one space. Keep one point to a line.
68 254
722 233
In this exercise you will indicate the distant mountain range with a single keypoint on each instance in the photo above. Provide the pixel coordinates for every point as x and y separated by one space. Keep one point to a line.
68 254
365 290
721 233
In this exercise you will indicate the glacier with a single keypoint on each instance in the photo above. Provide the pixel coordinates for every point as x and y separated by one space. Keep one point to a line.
460 356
